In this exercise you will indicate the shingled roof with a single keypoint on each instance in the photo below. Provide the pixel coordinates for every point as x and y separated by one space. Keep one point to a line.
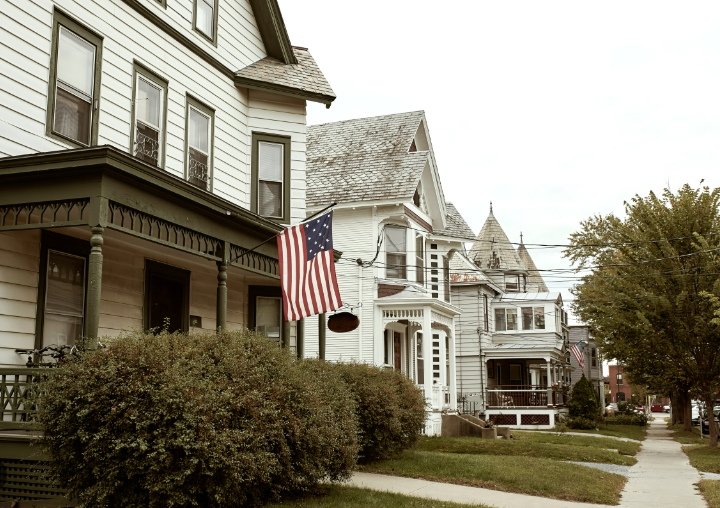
304 78
535 282
492 250
363 159
456 227
463 270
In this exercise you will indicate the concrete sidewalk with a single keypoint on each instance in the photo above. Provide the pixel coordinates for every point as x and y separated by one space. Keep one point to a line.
662 477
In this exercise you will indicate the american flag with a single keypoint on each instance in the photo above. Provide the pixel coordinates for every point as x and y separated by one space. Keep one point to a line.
577 350
307 269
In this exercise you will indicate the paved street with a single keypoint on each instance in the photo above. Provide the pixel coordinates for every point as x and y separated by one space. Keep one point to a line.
662 477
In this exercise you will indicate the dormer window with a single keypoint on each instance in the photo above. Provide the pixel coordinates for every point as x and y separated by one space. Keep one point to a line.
419 198
512 283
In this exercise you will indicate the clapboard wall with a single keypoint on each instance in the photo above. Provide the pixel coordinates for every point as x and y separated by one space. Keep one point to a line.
25 46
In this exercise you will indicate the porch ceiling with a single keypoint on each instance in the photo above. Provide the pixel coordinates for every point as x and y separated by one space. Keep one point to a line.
103 186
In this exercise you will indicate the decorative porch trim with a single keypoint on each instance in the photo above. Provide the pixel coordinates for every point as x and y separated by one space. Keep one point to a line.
44 215
254 262
439 318
142 225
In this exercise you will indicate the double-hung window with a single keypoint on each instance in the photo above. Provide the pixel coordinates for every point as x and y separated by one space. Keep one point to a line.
270 168
199 143
395 259
500 324
512 282
206 18
533 318
268 319
149 112
420 258
505 320
74 83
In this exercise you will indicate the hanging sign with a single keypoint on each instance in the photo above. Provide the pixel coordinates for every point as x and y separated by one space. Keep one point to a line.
343 322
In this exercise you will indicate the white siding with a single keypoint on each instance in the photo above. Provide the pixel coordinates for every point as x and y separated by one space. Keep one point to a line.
25 43
353 235
19 259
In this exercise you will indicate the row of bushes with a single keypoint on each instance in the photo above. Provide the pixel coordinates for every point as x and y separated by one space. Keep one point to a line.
216 420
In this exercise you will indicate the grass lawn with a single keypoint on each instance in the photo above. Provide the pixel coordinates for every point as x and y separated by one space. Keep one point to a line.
531 444
630 431
683 437
703 458
549 478
711 492
351 497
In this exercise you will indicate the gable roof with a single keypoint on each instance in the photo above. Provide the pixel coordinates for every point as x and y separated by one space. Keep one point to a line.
272 30
492 249
303 78
456 227
535 281
364 159
463 270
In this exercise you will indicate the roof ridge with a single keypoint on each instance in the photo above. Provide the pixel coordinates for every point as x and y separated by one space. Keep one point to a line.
421 111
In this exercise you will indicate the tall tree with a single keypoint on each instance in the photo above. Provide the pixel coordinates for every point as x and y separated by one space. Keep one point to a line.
649 286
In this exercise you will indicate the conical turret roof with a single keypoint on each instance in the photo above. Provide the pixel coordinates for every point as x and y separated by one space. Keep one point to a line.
535 282
492 249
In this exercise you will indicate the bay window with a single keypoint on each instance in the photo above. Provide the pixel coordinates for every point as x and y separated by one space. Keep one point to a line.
533 318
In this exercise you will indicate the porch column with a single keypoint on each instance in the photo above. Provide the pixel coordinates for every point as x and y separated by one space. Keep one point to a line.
92 315
286 334
427 355
321 335
549 380
483 380
221 305
453 381
300 338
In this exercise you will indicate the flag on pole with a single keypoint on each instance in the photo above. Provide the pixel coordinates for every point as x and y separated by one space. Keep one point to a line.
307 269
577 350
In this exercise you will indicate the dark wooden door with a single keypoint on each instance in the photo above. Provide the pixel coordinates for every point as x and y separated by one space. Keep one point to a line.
166 301
397 351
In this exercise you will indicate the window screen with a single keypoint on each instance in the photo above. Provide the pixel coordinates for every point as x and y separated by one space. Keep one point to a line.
64 299
74 87
271 157
268 316
198 148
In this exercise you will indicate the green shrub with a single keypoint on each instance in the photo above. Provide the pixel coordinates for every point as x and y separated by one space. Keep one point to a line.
626 408
581 423
390 409
584 401
623 419
196 420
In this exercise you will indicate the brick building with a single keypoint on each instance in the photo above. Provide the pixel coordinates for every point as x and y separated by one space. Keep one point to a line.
620 390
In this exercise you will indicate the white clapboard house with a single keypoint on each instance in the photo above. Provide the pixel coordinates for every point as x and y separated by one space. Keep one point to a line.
397 233
146 146
511 338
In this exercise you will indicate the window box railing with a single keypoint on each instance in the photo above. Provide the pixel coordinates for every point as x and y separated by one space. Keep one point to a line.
18 386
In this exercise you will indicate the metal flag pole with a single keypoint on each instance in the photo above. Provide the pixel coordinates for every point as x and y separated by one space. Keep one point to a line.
274 236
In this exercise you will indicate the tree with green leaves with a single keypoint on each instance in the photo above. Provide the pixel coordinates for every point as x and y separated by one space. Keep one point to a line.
650 289
584 402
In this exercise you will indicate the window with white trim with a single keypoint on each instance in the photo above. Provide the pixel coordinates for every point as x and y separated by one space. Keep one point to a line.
395 252
271 172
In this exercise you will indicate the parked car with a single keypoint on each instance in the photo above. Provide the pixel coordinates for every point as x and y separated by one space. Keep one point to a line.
656 408
639 409
612 406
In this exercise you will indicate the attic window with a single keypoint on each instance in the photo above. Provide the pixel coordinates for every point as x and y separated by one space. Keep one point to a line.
413 148
419 199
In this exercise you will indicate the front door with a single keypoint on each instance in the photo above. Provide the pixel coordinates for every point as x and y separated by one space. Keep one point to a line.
397 351
166 297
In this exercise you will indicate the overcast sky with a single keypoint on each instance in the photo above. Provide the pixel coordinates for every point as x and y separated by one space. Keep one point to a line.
553 110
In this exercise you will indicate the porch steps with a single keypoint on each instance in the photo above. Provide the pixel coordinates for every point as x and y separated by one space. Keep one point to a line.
466 426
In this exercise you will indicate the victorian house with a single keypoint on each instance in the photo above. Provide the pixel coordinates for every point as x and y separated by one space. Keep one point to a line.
146 148
397 234
511 338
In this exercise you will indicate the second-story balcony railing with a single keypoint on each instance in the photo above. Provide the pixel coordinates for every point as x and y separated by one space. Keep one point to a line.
518 396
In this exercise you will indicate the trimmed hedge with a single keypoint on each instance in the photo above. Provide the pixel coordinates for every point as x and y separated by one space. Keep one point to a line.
390 409
197 420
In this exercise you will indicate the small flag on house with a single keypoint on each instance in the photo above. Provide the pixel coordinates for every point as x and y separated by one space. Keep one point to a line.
307 269
577 350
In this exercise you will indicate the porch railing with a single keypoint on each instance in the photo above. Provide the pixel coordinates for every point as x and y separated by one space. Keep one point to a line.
437 397
518 396
18 387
